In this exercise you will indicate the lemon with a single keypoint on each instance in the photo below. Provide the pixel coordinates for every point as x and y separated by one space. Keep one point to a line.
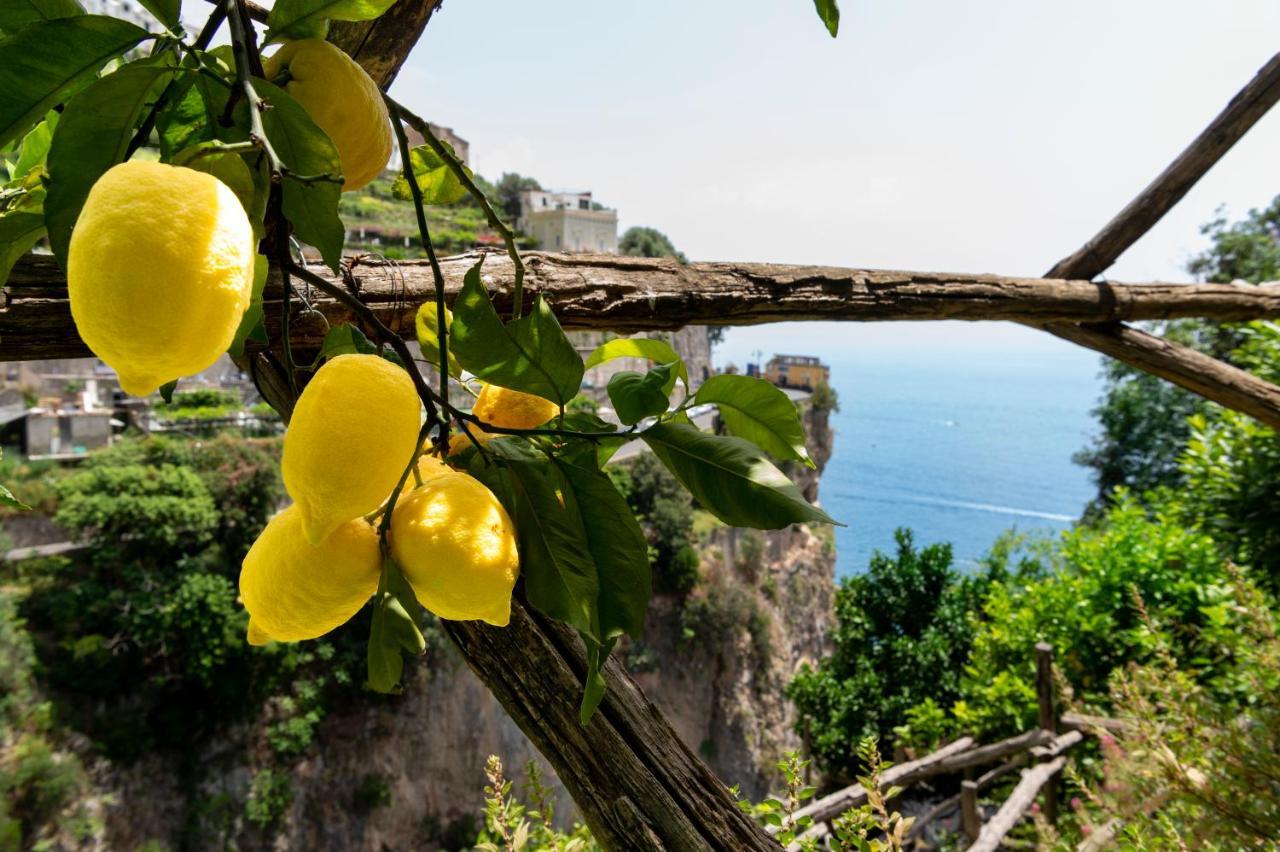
457 548
429 467
159 272
459 442
353 432
295 591
342 100
512 409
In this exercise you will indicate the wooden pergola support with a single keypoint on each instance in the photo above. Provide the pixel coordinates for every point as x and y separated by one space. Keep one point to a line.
629 294
1175 362
1016 806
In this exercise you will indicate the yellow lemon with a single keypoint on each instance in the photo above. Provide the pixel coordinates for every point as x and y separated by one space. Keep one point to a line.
159 272
459 442
294 590
429 467
342 99
512 409
353 432
457 548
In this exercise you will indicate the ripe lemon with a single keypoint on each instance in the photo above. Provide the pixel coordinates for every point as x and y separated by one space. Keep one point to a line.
429 467
512 409
353 431
342 99
457 548
459 442
159 272
294 591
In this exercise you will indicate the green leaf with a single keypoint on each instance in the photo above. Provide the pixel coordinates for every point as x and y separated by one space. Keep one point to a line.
93 135
195 110
829 12
594 687
167 12
19 231
16 14
48 60
253 323
657 351
583 421
429 336
346 339
35 146
636 396
614 540
758 411
559 574
305 150
731 478
531 354
310 18
394 629
438 183
7 499
166 391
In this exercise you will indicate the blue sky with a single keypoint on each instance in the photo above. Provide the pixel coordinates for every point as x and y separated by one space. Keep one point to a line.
977 136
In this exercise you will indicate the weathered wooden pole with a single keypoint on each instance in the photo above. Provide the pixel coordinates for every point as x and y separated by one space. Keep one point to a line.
1048 719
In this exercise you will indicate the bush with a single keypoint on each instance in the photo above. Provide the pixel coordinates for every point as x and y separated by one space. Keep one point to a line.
1189 770
902 634
1084 608
270 794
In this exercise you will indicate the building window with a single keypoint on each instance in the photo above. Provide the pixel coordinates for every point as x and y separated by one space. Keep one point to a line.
584 204
544 201
557 241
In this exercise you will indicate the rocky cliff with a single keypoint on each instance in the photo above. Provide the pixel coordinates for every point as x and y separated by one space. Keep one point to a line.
406 772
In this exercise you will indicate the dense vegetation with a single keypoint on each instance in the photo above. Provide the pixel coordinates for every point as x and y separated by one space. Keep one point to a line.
1160 605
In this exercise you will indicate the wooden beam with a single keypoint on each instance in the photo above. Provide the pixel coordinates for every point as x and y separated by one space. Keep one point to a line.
1159 197
382 45
640 294
1182 365
831 806
1015 807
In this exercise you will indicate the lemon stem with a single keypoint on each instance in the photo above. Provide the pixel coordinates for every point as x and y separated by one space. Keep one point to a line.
455 165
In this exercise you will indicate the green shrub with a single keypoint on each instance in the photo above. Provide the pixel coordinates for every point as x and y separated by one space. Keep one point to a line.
270 794
1084 608
902 634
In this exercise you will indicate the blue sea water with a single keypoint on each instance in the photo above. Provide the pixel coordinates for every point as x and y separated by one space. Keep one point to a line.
957 448
958 433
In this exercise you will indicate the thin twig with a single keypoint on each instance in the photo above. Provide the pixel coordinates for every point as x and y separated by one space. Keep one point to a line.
460 172
244 48
143 132
424 234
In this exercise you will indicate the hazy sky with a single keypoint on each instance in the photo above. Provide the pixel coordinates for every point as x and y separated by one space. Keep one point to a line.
976 136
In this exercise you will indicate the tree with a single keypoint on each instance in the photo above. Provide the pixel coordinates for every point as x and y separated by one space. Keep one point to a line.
648 242
508 190
1144 420
903 631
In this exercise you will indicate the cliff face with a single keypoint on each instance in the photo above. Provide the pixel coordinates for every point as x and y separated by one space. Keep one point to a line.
406 771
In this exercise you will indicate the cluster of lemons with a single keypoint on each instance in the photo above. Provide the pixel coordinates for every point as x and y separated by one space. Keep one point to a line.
160 274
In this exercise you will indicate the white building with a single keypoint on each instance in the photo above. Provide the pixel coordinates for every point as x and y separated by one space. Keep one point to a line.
568 221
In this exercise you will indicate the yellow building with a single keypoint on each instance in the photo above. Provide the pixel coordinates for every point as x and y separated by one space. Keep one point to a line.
797 371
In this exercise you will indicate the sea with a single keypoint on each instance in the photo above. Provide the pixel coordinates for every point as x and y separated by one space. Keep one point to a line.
958 431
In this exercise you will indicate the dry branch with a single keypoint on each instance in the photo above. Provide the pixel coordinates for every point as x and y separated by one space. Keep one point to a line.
641 294
1175 362
1015 807
831 806
637 785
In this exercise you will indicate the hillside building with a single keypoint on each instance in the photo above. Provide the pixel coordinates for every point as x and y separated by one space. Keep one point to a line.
797 371
568 221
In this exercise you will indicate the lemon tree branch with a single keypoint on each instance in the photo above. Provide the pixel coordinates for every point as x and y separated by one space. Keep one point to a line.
424 233
445 153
